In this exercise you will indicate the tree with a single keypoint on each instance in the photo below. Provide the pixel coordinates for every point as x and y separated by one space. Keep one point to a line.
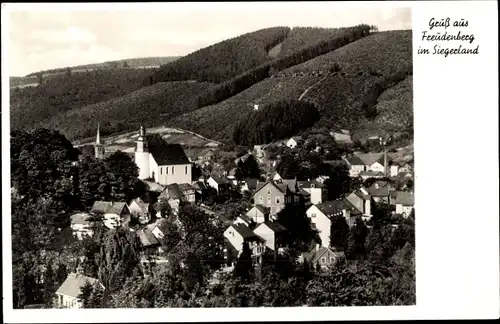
49 284
125 64
288 167
339 232
339 181
247 169
244 268
85 292
356 241
122 173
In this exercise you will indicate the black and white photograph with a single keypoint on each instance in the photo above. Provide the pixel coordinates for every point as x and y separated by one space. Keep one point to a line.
240 155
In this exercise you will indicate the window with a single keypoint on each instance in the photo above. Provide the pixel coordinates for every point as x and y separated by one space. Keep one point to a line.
186 169
313 215
277 200
261 199
161 170
172 170
269 200
166 170
332 260
313 226
268 191
323 260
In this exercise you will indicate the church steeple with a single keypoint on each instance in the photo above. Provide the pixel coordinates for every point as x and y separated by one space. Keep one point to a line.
99 148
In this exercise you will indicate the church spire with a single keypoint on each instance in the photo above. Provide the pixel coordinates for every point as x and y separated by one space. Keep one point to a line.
98 137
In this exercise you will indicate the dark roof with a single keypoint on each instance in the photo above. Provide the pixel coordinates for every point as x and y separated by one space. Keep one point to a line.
274 226
405 198
199 185
252 183
314 255
371 173
71 286
310 184
380 192
186 187
331 207
147 237
354 160
170 154
220 179
108 207
244 230
290 183
352 209
362 195
262 209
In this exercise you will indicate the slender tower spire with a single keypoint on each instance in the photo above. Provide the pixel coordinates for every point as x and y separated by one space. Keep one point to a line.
98 148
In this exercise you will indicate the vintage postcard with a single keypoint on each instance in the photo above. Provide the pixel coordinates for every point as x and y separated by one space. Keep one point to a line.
262 156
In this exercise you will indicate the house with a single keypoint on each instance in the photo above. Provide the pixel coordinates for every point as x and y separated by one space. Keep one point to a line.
381 190
361 199
245 220
165 165
393 169
294 142
322 255
156 227
322 178
221 184
258 214
405 202
316 191
370 174
249 185
141 210
205 156
322 214
354 164
150 244
273 234
273 195
373 161
235 236
68 292
173 195
201 190
188 192
341 137
114 213
276 176
80 224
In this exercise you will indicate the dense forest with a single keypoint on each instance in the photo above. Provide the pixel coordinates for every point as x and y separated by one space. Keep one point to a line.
65 92
275 121
224 60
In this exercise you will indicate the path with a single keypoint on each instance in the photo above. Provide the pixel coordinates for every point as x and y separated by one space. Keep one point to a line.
304 93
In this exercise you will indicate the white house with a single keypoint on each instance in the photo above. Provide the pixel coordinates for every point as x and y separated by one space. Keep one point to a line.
141 209
315 189
361 199
273 234
220 184
354 164
80 224
114 213
67 294
165 165
324 256
405 202
321 215
258 214
294 142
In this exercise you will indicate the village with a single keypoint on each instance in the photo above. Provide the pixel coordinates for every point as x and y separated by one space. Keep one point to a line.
381 177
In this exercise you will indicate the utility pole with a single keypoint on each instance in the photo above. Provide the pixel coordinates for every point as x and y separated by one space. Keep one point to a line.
383 142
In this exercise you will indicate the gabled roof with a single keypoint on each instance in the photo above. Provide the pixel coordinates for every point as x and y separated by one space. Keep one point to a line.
354 160
171 154
252 183
186 187
314 255
361 195
274 226
297 138
73 283
147 237
405 198
371 174
280 186
80 218
172 191
330 208
260 208
370 158
144 206
108 207
380 192
199 185
220 179
244 231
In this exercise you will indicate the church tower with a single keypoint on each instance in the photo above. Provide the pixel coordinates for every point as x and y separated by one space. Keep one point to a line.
142 154
98 148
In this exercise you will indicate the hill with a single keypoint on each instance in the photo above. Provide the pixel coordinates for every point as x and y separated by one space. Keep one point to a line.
152 105
61 93
345 98
224 60
142 62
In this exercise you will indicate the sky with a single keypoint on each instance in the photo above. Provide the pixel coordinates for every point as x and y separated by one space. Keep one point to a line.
54 36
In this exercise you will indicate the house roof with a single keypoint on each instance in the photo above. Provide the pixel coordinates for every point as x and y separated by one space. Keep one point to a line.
405 198
353 210
290 183
73 283
144 206
252 183
280 186
199 185
80 218
147 237
274 226
244 230
297 138
171 154
260 208
371 173
185 187
108 207
158 222
314 255
354 160
245 218
310 184
220 179
172 191
331 207
362 195
370 158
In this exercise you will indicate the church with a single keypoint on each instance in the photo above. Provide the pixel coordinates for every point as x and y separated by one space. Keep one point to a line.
165 165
